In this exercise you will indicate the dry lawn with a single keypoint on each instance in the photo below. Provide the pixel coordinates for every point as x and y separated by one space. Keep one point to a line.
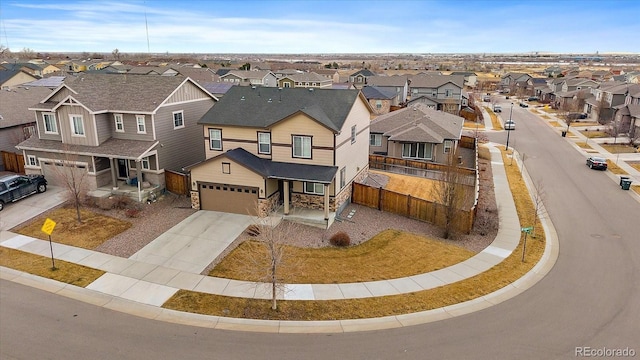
495 278
636 188
94 229
592 134
419 187
65 272
473 125
618 148
546 117
390 254
583 145
635 165
494 119
555 123
611 166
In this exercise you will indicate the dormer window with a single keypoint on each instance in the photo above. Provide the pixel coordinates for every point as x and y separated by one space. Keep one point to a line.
50 126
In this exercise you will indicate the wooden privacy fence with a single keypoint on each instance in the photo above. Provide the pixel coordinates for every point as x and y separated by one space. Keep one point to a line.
423 169
13 162
176 182
409 206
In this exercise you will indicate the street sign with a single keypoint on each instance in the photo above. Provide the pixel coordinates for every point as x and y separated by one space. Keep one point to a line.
48 226
527 230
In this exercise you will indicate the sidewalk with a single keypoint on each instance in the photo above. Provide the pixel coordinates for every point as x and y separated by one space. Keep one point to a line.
140 287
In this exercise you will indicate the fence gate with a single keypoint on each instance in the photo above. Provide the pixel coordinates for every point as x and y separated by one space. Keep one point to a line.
176 182
13 162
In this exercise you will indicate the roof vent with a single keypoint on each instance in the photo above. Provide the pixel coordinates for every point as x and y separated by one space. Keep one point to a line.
253 87
269 100
310 89
242 98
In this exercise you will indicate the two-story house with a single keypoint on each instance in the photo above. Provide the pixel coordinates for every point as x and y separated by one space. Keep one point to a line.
117 128
305 80
380 99
627 115
359 78
605 98
263 78
417 132
290 146
509 81
440 92
396 83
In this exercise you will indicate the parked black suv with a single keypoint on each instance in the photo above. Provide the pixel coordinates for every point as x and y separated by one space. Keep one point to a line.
16 187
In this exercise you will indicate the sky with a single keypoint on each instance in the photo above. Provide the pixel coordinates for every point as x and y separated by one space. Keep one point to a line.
315 27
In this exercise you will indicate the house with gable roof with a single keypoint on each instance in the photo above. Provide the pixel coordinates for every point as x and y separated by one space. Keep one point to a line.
397 83
440 92
118 127
294 147
264 78
416 132
305 80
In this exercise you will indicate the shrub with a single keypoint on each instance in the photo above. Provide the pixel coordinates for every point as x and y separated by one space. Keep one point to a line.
104 203
340 239
132 213
122 202
253 230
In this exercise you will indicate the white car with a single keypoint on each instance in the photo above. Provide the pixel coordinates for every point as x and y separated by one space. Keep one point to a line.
510 125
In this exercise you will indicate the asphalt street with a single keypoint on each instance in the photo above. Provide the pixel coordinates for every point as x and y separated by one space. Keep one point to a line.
591 298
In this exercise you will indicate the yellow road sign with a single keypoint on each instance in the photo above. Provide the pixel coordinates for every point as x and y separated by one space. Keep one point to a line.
48 226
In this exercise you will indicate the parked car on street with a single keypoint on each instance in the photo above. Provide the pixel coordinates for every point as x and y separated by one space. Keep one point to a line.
510 125
497 108
523 104
597 163
532 98
16 187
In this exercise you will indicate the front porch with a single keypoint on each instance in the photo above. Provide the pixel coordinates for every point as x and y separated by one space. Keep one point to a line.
310 217
141 194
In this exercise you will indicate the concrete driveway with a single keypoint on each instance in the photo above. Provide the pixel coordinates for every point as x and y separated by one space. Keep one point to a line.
195 242
23 210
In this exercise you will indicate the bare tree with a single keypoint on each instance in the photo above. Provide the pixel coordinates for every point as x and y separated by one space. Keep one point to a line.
116 54
538 196
267 260
452 193
72 176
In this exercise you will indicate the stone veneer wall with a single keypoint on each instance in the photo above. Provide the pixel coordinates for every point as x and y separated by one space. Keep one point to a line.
195 200
317 201
265 206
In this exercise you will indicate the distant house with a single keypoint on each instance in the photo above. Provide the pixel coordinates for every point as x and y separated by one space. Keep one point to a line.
263 78
295 147
380 99
50 82
470 78
117 128
509 81
304 80
416 132
627 115
359 78
396 83
17 122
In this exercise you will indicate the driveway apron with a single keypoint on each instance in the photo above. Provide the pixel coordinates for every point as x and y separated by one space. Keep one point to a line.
195 242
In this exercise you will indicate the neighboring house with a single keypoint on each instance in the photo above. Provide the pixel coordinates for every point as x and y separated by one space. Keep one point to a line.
509 81
29 68
295 147
118 127
17 122
552 71
470 78
627 115
440 92
50 82
10 78
263 78
333 74
395 83
359 78
305 80
417 132
379 99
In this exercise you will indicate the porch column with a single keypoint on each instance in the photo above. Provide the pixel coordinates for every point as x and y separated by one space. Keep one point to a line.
285 188
114 176
326 201
139 176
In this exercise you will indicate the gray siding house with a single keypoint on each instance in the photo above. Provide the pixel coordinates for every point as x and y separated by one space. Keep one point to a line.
117 128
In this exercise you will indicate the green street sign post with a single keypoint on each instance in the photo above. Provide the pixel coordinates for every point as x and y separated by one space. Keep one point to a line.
526 231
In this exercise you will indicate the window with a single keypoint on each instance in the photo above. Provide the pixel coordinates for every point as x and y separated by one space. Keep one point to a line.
375 139
447 146
287 84
142 128
378 104
178 119
215 139
353 134
302 146
343 177
77 125
145 163
50 126
313 188
226 168
264 143
119 122
416 151
32 160
448 93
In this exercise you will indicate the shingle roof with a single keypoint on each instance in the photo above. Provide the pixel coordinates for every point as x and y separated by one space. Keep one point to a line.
373 92
434 81
395 80
16 102
262 107
278 170
248 74
418 123
123 92
307 77
129 149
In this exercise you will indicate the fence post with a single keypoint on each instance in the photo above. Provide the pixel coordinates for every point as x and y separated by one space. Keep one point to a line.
380 198
409 205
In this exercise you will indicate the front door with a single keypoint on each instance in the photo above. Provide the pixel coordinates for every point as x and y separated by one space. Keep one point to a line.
123 169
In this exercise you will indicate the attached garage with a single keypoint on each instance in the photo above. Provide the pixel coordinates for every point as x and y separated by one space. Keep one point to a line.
58 173
228 198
